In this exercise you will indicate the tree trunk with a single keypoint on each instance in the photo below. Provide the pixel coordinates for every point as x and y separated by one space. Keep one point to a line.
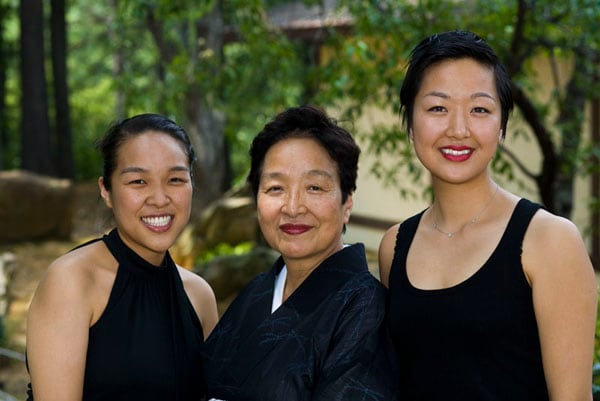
203 122
205 127
64 150
546 179
518 54
570 122
3 68
118 64
206 124
36 150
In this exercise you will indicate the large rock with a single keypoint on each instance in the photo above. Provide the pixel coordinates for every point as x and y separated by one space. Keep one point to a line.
231 220
228 274
34 206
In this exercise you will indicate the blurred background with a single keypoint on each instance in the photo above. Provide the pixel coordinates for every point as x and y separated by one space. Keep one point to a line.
222 69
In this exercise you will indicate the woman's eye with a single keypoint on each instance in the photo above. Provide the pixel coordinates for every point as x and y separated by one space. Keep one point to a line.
138 181
437 108
314 188
179 180
480 110
273 188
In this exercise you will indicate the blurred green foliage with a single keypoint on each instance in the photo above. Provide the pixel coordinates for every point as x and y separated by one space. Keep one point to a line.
223 249
115 69
261 73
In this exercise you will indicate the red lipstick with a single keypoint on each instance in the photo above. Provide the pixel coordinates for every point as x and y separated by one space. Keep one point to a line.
294 229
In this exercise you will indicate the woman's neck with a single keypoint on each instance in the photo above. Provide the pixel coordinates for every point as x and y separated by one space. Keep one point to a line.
298 270
457 205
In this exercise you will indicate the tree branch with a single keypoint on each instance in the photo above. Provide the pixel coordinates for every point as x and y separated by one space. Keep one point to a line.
519 27
528 173
546 178
166 49
520 47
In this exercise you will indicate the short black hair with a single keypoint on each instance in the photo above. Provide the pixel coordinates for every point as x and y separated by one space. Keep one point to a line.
452 45
308 122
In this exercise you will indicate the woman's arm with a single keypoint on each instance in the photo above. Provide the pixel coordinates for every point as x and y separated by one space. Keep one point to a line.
386 254
202 298
360 363
564 287
57 333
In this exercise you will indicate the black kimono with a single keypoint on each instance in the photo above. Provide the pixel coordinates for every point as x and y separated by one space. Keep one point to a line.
326 342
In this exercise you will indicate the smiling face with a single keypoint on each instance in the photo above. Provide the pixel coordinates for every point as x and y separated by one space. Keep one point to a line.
299 202
151 193
457 120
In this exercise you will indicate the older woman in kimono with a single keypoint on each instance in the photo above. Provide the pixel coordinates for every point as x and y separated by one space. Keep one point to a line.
310 328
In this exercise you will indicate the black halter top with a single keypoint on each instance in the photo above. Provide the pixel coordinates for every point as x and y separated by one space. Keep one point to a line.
147 344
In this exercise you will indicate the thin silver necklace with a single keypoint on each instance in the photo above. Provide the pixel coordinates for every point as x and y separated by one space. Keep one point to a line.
471 221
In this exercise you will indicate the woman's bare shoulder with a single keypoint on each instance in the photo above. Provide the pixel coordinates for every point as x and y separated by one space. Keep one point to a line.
83 261
194 284
389 237
76 273
553 244
202 298
386 252
547 229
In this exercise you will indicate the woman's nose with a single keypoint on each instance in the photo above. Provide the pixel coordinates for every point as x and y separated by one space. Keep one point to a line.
294 203
159 196
458 127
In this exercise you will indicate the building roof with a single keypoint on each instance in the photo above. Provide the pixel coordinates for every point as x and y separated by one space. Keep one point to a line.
300 21
306 22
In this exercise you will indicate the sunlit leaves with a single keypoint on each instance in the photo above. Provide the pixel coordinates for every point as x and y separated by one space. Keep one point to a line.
366 67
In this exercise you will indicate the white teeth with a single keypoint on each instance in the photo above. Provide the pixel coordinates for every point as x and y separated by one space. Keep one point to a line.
455 152
157 221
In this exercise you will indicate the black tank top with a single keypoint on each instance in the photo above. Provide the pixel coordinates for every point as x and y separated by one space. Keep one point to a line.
147 343
477 340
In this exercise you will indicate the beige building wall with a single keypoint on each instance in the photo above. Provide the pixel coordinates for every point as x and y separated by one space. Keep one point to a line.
377 207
